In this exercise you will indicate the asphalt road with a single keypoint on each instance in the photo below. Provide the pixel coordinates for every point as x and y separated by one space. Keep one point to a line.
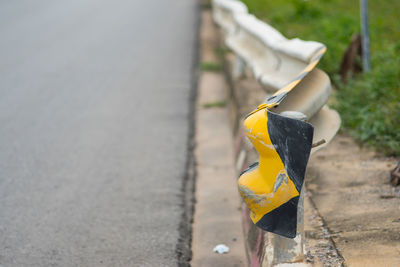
94 126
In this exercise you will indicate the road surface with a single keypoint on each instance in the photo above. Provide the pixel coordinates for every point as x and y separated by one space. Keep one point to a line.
94 126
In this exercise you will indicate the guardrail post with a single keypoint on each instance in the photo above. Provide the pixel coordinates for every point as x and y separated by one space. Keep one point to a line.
291 250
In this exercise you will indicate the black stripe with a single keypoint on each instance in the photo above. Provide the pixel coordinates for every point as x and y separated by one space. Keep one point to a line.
252 166
276 99
282 220
292 140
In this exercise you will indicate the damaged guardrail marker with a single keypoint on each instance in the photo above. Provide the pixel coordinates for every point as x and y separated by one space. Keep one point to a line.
271 187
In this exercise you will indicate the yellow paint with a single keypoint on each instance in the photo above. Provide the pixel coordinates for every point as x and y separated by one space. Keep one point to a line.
311 66
287 88
262 106
257 185
319 53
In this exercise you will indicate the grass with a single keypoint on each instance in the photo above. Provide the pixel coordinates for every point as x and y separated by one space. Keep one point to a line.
369 104
205 5
210 66
216 104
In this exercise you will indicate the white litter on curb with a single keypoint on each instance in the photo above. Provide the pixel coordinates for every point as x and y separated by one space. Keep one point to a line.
221 249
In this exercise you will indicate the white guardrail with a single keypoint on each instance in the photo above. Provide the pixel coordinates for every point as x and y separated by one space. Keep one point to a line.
276 61
286 66
273 59
223 12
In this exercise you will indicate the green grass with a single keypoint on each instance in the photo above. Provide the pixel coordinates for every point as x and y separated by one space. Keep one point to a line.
221 52
205 4
216 104
369 103
209 66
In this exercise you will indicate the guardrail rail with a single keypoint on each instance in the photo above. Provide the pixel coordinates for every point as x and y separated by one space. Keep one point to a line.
292 123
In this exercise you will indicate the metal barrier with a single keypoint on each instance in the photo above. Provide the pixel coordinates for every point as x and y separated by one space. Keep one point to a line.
273 59
291 124
224 11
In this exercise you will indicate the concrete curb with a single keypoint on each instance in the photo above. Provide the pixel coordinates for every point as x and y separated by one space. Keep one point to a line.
217 209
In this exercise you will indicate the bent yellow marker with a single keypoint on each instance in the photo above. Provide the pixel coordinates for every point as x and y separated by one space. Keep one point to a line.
271 187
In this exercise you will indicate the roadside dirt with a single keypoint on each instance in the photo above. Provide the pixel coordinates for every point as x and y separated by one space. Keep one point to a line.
350 188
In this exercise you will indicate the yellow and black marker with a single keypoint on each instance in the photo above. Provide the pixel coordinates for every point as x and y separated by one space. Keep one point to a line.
271 187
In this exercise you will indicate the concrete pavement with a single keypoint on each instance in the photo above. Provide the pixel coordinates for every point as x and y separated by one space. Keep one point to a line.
95 117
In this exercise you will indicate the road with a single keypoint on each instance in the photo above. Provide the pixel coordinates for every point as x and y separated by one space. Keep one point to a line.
95 120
